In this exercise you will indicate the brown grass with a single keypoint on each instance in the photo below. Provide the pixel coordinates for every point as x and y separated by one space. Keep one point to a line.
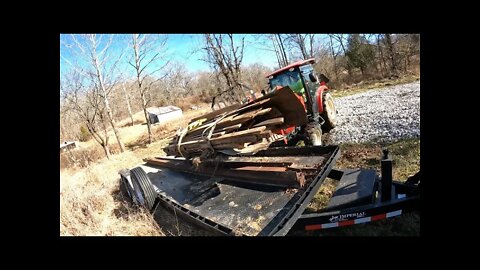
186 103
323 195
92 204
133 137
90 199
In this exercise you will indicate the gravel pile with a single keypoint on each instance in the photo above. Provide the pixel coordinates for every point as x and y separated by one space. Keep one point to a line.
385 114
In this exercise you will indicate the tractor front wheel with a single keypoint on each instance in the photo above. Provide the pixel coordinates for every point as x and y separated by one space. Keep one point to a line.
314 134
329 113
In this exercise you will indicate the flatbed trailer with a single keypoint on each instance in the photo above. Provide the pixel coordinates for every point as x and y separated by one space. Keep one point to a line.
230 206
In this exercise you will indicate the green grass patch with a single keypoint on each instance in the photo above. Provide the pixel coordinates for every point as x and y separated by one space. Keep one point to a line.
406 162
405 155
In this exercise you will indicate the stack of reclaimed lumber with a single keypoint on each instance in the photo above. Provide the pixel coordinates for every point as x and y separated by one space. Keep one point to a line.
240 129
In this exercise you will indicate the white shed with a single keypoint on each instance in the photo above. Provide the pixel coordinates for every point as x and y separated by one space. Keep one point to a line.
163 114
68 145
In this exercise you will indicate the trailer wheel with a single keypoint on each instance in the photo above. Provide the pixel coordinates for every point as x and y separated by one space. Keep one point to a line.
126 188
314 134
143 188
329 113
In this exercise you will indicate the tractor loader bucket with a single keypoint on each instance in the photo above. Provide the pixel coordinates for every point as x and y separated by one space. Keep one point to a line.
288 104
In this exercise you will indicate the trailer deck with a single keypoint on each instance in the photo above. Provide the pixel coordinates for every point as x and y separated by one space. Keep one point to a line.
231 206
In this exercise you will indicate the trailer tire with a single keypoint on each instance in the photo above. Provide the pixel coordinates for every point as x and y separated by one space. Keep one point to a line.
143 189
329 113
314 134
126 189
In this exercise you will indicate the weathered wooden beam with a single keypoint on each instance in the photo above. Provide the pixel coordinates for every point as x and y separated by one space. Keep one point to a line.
250 149
234 137
199 145
240 133
213 114
199 136
198 132
242 118
254 104
270 122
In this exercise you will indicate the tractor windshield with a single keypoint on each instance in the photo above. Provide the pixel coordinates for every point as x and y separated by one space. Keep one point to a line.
288 78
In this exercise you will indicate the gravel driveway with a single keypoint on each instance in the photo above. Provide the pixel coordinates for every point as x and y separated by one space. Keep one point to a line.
385 114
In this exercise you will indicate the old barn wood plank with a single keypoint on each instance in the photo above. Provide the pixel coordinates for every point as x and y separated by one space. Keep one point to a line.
202 144
270 122
200 136
232 110
239 136
213 114
202 129
251 149
233 126
240 133
232 120
216 130
242 118
235 112
254 104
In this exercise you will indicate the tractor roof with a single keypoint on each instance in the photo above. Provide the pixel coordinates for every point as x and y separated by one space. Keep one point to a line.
296 64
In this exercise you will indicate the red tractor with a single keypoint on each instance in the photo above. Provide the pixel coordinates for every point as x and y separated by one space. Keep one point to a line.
312 91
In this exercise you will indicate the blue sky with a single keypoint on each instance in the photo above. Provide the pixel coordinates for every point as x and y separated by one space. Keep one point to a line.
184 48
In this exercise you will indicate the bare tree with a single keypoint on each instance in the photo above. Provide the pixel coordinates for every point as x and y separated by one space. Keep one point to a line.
382 58
391 54
334 55
282 49
304 43
101 69
269 42
148 50
127 100
311 43
280 60
341 39
405 46
85 102
224 56
69 122
178 81
254 75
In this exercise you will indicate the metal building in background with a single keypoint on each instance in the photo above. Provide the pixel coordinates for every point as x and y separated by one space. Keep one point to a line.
163 114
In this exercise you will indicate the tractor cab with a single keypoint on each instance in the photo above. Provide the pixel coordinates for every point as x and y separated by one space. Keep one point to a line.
303 81
311 90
